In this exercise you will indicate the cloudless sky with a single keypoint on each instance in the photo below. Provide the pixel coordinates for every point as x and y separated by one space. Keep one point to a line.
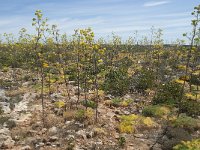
122 17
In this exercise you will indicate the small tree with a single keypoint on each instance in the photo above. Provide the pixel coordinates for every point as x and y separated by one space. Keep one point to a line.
40 26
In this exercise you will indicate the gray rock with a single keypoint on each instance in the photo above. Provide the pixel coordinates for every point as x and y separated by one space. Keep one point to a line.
82 134
79 124
126 112
48 143
53 130
127 96
72 82
5 131
8 143
27 147
90 134
43 130
70 137
41 144
5 107
109 97
53 138
30 140
58 144
26 84
68 123
75 89
137 100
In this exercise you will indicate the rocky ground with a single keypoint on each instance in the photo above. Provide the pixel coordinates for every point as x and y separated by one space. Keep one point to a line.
22 128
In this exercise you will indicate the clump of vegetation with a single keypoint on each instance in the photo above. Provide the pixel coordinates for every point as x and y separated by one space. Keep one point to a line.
116 82
59 104
131 123
81 115
27 77
3 120
117 102
7 83
90 104
169 94
144 80
126 103
156 111
190 107
188 145
122 141
69 114
11 124
5 69
186 122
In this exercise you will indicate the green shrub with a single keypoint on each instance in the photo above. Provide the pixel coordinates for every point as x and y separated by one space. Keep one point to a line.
116 102
190 107
156 111
124 63
169 93
3 120
80 115
194 79
186 122
59 104
116 82
89 103
122 141
144 80
5 69
27 77
188 145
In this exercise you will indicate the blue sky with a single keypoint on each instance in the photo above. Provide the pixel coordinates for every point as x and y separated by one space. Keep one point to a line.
122 17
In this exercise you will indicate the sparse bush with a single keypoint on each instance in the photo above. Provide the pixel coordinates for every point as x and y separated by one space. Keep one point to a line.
69 114
144 80
194 79
169 93
116 82
190 107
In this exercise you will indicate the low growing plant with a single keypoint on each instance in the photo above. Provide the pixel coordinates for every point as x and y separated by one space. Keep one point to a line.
156 111
188 145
